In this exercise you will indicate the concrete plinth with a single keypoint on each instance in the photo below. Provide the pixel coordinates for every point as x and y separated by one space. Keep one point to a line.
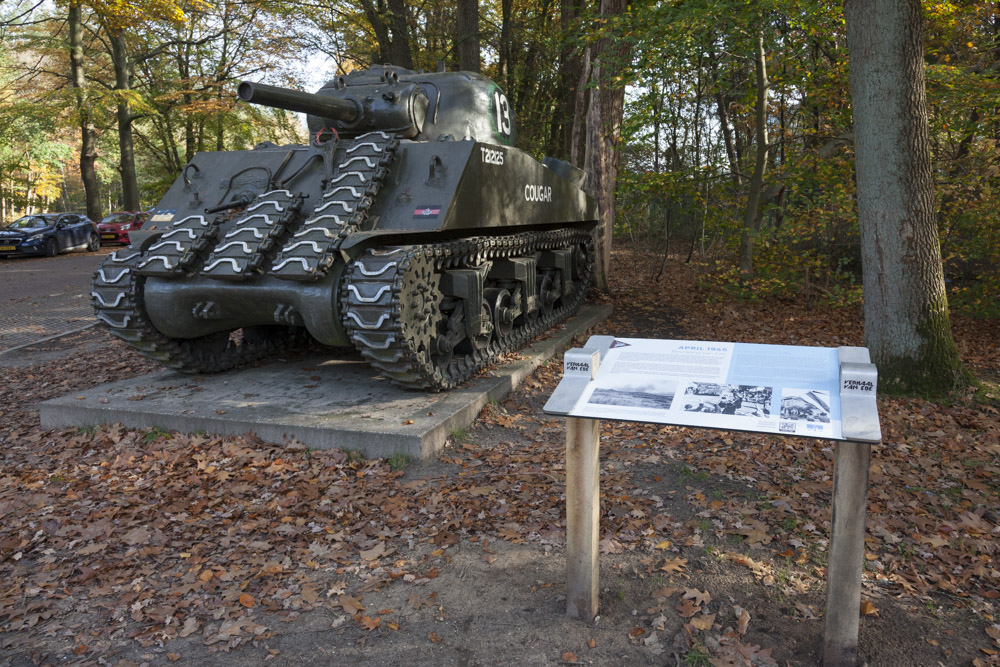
323 403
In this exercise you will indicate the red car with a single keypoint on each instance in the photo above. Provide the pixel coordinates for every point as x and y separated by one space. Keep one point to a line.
115 227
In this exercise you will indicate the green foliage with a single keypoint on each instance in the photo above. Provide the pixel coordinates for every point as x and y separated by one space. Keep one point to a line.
354 456
698 656
977 297
154 434
683 189
399 461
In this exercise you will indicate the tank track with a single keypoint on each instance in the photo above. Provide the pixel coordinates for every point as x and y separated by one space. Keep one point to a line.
181 247
362 165
116 296
247 248
392 305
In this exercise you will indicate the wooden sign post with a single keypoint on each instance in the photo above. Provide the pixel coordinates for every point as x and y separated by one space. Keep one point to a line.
855 413
583 515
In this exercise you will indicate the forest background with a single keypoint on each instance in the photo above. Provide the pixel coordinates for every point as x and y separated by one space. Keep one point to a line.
124 94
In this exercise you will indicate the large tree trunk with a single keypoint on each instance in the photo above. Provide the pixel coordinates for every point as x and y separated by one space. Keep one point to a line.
506 75
88 135
604 119
123 83
750 217
581 102
389 21
907 327
467 34
570 69
399 49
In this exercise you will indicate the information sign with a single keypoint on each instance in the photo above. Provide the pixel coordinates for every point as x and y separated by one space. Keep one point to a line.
817 392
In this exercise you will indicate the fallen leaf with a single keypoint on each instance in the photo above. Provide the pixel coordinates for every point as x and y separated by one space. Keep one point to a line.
349 604
868 609
568 657
665 592
698 597
703 622
376 551
139 535
91 549
742 619
368 623
174 657
407 422
686 608
190 627
434 637
674 565
808 612
247 600
591 643
665 544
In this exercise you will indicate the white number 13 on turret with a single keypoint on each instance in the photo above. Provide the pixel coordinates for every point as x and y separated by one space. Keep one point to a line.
502 108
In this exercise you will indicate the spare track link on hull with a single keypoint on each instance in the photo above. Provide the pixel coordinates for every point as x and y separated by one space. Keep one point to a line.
361 167
392 300
116 294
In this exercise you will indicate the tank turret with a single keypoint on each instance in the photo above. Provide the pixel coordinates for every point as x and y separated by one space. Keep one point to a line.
409 228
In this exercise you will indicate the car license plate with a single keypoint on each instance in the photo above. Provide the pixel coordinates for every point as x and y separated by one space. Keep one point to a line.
7 248
107 236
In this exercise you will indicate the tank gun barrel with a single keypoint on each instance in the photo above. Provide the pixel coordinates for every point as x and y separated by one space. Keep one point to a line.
324 106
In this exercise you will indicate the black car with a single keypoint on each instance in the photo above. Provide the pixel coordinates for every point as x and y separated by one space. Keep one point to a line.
49 234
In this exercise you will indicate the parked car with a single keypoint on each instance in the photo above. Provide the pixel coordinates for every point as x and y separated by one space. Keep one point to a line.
115 227
49 234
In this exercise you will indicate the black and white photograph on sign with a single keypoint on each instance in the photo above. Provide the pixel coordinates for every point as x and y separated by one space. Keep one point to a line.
740 400
655 396
810 405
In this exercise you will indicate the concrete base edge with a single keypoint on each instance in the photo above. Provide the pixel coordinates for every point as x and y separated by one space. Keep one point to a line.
321 403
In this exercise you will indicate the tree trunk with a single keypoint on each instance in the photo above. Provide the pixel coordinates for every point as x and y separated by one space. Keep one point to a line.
581 102
606 108
506 55
399 47
380 28
604 118
907 326
467 35
88 135
130 186
750 217
570 70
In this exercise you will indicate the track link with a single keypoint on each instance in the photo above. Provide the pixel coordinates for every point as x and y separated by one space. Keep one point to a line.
116 295
393 314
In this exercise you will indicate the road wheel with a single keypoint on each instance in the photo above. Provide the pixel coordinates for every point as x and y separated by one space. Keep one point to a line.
51 248
94 243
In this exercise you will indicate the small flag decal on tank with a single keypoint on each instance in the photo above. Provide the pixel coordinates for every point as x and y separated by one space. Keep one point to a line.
427 212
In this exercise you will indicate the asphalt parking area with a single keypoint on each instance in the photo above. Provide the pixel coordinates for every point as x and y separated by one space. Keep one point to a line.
45 296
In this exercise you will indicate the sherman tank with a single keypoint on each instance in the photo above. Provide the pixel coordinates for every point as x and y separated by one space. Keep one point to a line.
409 227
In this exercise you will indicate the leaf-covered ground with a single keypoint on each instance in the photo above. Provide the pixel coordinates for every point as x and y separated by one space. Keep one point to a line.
130 547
